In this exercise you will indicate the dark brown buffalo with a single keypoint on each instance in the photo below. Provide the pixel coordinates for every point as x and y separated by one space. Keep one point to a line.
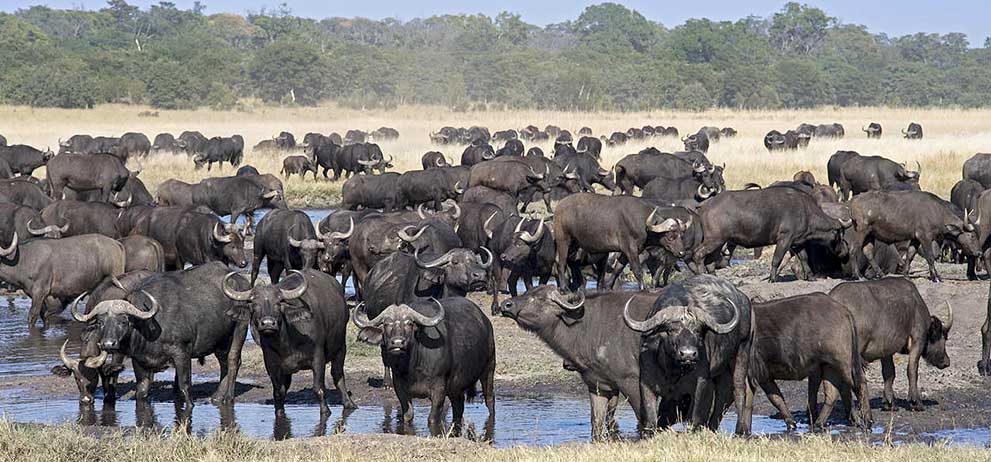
892 318
299 326
602 224
84 172
780 216
53 271
918 217
790 343
589 335
696 344
298 165
438 350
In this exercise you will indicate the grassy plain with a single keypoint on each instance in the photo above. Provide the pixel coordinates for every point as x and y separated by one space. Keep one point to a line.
69 444
952 135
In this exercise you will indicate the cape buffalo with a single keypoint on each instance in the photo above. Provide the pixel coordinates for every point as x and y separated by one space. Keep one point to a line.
891 318
298 327
434 159
915 216
790 344
784 217
589 335
696 342
914 131
53 271
182 316
287 240
603 224
978 168
24 159
102 172
859 174
298 165
873 130
437 350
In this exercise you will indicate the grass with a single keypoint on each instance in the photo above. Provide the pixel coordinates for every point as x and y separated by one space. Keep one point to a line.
952 135
71 443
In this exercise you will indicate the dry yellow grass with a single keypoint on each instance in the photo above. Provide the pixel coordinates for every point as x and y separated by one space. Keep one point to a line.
69 444
952 135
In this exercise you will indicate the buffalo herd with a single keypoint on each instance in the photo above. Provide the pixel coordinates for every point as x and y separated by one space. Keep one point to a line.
150 275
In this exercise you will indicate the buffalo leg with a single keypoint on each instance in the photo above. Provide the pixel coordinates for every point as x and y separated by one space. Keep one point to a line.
457 412
37 307
914 397
184 377
702 402
600 405
562 244
495 285
319 368
925 248
488 387
337 374
723 392
815 381
743 394
888 373
256 263
803 258
612 427
775 397
405 401
781 248
143 377
436 418
831 386
280 387
648 410
984 364
633 256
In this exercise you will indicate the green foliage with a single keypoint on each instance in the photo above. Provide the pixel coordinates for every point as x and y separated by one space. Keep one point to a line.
609 57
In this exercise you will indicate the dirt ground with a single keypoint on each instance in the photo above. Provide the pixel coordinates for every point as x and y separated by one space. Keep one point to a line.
955 397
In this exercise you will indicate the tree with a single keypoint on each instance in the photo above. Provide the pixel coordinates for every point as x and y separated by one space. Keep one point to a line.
288 72
799 29
610 26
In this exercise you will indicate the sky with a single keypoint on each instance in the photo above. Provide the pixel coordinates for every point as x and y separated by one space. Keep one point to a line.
894 17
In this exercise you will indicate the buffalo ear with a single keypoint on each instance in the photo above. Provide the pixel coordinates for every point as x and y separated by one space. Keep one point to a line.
239 313
370 335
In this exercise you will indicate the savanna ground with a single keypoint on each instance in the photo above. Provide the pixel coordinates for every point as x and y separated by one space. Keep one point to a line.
955 397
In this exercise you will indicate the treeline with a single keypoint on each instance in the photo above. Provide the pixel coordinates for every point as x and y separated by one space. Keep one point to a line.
609 58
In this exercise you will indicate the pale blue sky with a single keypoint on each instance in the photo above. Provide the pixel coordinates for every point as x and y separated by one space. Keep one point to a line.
894 17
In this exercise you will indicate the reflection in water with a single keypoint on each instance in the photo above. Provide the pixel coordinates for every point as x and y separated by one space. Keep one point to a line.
532 421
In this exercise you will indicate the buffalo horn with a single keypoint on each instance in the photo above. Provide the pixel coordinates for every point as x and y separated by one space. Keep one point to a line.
340 235
457 211
525 236
74 310
652 322
404 235
9 250
420 212
291 294
96 361
439 261
485 226
711 322
487 263
72 364
425 321
703 195
233 294
220 237
559 298
360 318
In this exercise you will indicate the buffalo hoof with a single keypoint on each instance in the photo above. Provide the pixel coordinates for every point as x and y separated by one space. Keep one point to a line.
888 406
816 428
984 367
790 424
915 406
